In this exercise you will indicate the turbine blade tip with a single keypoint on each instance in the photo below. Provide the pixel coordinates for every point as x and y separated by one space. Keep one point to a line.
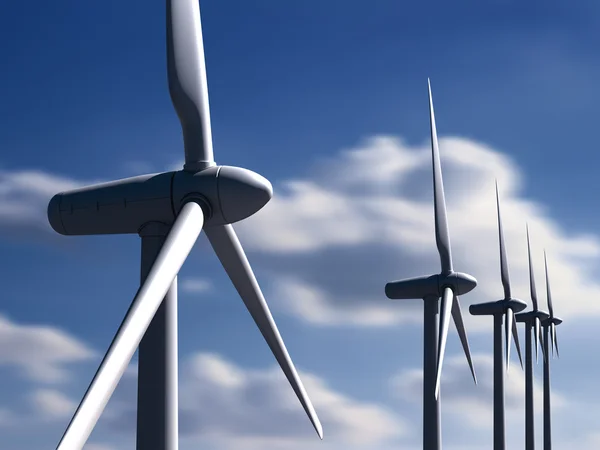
319 429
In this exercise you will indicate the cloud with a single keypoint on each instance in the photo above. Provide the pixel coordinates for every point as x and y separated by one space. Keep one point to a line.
52 404
590 441
243 408
474 404
467 409
196 285
364 217
41 353
24 197
94 446
332 239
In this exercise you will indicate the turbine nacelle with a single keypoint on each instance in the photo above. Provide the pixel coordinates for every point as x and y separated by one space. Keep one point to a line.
226 195
497 307
430 286
551 321
531 315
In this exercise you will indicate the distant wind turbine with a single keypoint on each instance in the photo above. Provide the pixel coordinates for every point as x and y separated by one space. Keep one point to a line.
550 341
447 285
531 319
506 307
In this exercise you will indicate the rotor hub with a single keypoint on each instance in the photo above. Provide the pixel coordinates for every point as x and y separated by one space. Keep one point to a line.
460 283
227 194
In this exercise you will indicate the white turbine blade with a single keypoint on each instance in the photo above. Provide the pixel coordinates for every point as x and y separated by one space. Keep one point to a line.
186 72
541 340
531 276
503 262
508 327
462 334
548 293
445 314
171 257
442 235
552 337
556 344
537 337
515 333
233 258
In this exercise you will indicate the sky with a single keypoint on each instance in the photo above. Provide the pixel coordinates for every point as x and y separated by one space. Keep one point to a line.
328 100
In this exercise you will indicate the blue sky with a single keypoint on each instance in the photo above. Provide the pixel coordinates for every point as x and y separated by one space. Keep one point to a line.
328 101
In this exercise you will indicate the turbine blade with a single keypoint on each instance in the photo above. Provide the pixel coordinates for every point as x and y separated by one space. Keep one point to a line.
531 277
231 254
508 327
537 336
552 337
515 333
543 343
556 344
541 340
503 262
445 312
177 246
186 72
442 236
548 293
462 334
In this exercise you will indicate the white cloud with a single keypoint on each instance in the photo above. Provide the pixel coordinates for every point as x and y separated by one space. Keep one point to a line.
467 409
196 285
41 353
93 446
588 442
52 404
365 217
474 403
250 409
24 197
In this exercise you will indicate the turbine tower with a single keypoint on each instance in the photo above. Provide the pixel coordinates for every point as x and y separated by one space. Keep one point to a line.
506 307
550 341
169 211
447 285
532 322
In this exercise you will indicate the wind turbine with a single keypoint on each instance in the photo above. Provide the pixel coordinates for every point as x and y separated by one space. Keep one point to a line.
505 307
168 211
550 340
532 321
447 285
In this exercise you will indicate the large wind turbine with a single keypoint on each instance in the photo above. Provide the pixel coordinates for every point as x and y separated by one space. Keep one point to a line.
506 307
532 321
447 285
550 341
168 211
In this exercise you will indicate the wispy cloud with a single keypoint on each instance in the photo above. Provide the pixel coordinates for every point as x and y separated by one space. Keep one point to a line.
40 353
240 408
364 217
196 285
52 404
